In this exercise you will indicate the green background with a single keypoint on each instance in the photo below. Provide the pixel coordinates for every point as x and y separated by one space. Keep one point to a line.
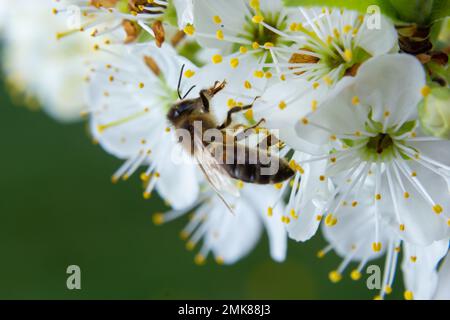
58 208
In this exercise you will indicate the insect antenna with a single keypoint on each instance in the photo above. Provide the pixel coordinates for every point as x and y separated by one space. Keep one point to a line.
179 82
189 91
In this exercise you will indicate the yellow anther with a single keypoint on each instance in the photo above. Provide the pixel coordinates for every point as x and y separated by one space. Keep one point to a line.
282 105
278 186
255 45
348 55
249 115
448 222
438 209
425 91
402 227
199 259
270 211
219 260
300 169
328 80
347 28
354 204
231 103
189 73
322 178
355 275
217 20
336 33
219 35
189 29
247 85
293 26
329 39
144 177
147 195
184 235
413 259
333 137
254 4
387 114
158 219
320 254
234 63
240 184
355 100
257 19
314 105
243 50
141 85
217 58
408 295
376 246
377 297
285 219
319 217
293 214
190 245
114 179
316 85
268 45
406 195
305 121
335 276
388 289
378 197
268 75
282 77
258 74
331 220
397 249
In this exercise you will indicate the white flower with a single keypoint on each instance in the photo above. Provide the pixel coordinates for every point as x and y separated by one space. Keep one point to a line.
129 97
369 126
328 44
127 20
352 240
244 31
318 45
39 65
230 237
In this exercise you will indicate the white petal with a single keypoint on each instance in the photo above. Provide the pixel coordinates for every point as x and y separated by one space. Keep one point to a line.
421 276
391 83
185 12
443 287
232 14
314 191
262 198
378 41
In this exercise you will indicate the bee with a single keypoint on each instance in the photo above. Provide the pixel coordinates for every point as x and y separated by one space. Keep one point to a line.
220 174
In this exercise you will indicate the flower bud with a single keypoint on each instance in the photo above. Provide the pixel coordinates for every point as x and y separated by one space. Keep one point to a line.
435 113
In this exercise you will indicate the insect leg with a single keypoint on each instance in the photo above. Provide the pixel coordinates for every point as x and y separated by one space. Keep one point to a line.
232 111
268 142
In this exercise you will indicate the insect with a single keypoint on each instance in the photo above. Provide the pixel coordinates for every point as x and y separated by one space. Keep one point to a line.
220 174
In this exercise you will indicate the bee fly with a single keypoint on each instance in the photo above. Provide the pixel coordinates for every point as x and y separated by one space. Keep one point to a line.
186 112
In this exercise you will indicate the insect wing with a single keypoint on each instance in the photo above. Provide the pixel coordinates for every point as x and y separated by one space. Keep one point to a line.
213 170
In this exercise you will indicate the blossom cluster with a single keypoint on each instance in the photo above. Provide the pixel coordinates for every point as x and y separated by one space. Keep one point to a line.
353 113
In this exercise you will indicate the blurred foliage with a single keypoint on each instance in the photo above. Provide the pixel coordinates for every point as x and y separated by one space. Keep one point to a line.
58 207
